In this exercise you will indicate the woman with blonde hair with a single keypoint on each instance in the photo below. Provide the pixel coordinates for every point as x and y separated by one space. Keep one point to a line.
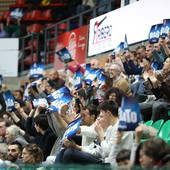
32 154
15 133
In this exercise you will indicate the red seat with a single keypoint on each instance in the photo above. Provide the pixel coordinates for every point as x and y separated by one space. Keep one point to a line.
46 15
29 45
62 28
28 59
34 28
20 2
35 14
6 14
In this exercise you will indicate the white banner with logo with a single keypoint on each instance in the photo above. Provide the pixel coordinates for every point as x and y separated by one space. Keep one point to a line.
134 20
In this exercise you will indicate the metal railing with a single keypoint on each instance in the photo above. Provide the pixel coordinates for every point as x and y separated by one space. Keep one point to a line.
52 32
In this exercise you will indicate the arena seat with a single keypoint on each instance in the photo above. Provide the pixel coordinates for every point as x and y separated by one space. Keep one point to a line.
28 59
34 28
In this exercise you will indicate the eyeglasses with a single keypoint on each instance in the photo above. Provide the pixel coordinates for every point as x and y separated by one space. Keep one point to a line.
112 70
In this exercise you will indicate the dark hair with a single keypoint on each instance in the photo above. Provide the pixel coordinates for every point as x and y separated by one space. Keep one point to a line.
141 47
123 155
109 105
7 122
35 152
42 121
18 144
155 148
92 110
20 92
117 91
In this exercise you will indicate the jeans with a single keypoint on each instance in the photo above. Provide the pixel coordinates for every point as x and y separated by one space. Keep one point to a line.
66 156
153 110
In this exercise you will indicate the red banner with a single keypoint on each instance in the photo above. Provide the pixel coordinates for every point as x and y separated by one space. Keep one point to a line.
76 43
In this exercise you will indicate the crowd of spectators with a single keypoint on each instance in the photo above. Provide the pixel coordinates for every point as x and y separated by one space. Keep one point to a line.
32 135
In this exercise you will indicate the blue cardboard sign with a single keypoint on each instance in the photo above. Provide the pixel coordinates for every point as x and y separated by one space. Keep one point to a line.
154 33
56 105
9 100
118 48
36 70
64 55
101 78
40 101
129 116
17 13
88 68
126 46
165 28
92 75
78 79
1 78
72 128
58 94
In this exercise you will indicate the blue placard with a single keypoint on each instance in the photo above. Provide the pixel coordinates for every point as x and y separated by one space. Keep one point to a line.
56 105
58 94
118 48
93 74
87 71
165 28
26 94
154 33
126 46
72 128
40 101
36 70
101 78
9 100
78 79
17 13
64 55
1 78
129 116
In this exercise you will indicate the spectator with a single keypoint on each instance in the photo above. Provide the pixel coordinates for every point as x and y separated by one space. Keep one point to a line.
32 154
114 94
14 133
160 87
15 29
118 81
3 151
3 126
54 76
3 33
49 138
14 152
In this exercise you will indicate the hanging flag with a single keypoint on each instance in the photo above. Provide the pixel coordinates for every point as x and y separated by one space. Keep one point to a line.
129 117
64 55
